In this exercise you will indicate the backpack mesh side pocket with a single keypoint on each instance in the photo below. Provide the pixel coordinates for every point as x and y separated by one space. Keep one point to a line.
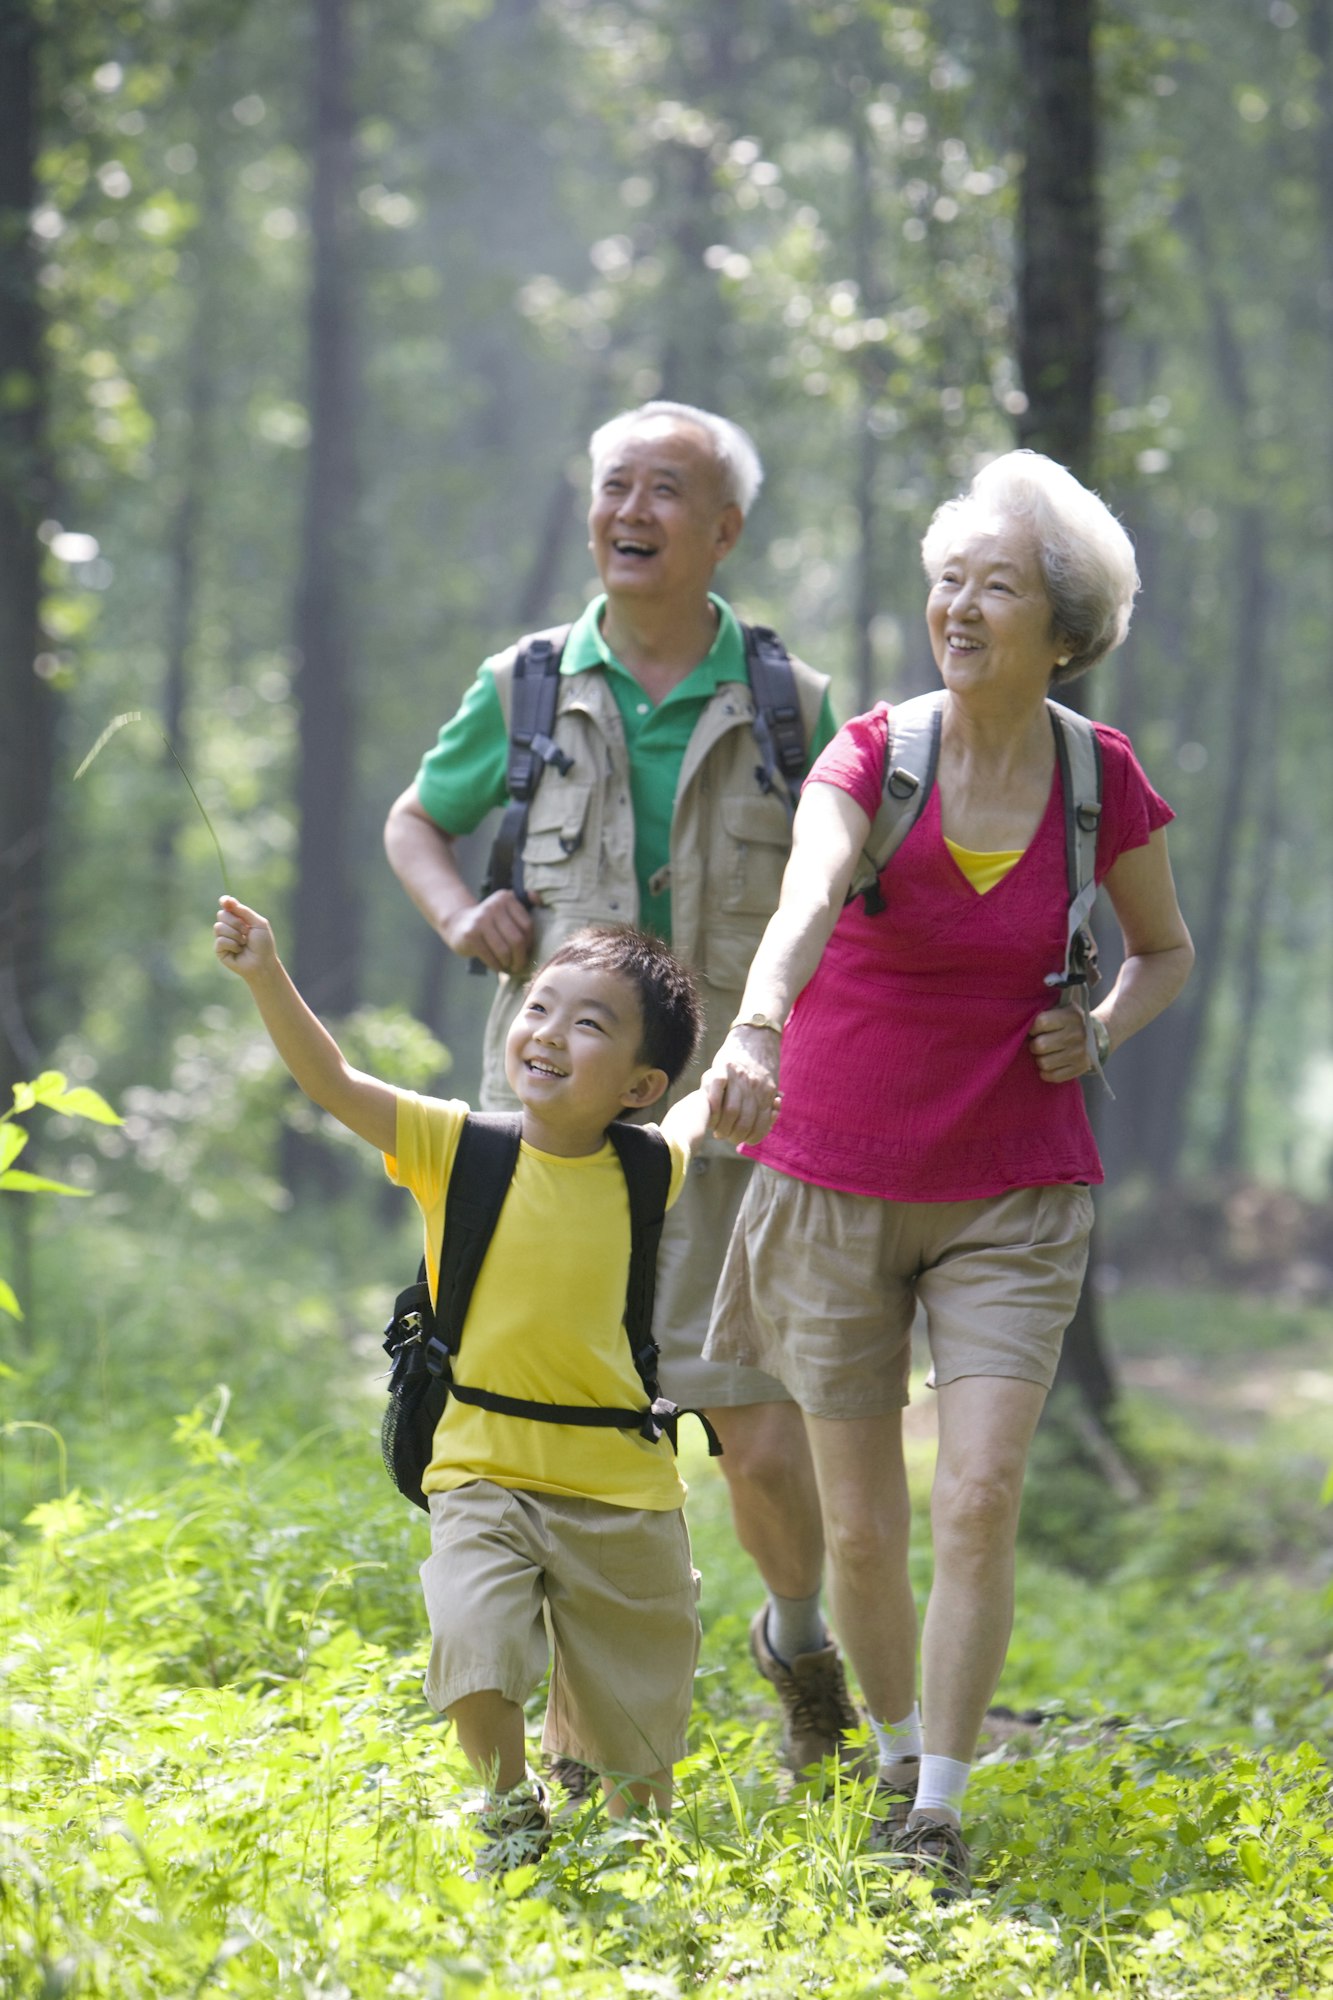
416 1399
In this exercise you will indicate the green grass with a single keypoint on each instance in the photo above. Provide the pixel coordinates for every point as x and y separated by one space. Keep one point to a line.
219 1776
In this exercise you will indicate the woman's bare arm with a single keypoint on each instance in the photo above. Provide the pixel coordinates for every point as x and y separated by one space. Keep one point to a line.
829 833
1158 957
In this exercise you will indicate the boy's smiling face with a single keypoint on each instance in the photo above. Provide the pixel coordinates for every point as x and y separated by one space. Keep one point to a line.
573 1057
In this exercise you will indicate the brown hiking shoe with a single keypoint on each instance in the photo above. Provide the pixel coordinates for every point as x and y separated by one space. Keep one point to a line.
933 1848
575 1780
818 1714
890 1807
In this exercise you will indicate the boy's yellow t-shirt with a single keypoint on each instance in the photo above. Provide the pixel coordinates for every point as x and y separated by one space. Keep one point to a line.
546 1320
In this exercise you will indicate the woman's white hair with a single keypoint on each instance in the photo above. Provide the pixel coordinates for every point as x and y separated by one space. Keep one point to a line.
1085 556
738 461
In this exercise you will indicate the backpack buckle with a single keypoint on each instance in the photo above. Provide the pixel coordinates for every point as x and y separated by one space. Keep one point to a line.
438 1359
550 752
902 783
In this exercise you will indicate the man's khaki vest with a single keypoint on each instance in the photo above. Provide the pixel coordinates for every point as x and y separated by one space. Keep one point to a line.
729 846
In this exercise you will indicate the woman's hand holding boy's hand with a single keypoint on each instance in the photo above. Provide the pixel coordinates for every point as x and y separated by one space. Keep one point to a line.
242 939
742 1086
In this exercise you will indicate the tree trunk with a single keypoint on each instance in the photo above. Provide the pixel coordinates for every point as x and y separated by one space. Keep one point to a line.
692 349
1059 232
1251 948
1185 1027
186 537
866 591
1059 351
326 916
28 702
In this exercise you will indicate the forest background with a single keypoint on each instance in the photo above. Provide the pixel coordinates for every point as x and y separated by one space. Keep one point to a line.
306 310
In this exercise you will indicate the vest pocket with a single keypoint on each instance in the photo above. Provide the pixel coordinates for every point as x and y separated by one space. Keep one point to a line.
755 841
557 828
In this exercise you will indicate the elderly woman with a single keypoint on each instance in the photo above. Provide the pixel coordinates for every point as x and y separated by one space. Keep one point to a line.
931 1144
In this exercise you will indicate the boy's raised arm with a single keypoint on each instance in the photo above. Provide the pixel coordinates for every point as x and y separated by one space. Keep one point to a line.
244 943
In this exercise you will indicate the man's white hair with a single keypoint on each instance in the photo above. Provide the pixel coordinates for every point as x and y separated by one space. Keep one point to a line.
1085 556
738 461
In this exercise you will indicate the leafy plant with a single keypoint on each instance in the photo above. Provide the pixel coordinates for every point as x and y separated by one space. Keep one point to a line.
51 1089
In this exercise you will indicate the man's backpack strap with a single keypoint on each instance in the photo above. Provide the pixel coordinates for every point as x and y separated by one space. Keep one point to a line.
534 698
1079 755
911 759
779 729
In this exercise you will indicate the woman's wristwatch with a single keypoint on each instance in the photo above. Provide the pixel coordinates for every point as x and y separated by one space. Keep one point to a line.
1101 1036
757 1020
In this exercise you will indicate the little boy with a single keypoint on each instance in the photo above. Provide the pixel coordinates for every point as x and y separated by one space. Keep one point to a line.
525 1514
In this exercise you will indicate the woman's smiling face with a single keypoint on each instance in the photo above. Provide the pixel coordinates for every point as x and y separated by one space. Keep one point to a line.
989 617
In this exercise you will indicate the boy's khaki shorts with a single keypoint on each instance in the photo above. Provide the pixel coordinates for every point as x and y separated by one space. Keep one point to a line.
820 1288
622 1596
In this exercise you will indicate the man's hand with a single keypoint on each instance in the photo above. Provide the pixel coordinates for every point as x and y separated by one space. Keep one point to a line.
1058 1040
243 940
742 1086
498 931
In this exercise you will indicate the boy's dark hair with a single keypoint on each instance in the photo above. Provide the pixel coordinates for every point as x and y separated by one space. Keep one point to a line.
673 1015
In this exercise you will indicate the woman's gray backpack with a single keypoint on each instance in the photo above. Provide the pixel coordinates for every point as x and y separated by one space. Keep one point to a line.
911 761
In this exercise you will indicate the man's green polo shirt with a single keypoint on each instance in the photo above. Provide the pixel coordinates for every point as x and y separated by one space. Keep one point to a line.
464 776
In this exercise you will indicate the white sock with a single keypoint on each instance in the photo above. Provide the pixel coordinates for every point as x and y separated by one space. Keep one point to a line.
941 1786
899 1744
794 1626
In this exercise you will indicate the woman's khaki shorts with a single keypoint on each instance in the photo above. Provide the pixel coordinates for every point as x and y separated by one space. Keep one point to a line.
622 1596
820 1288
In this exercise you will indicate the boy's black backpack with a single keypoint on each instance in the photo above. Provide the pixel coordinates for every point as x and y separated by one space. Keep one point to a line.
422 1343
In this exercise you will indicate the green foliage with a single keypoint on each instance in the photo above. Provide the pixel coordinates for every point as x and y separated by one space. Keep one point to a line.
221 1776
224 1779
53 1091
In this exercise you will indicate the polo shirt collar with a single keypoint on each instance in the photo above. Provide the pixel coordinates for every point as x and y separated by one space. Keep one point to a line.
724 660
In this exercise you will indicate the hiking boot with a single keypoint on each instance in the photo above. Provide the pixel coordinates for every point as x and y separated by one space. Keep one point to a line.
933 1848
818 1714
575 1780
515 1827
890 1807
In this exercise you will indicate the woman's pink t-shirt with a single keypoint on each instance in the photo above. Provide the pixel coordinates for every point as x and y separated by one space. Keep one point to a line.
906 1071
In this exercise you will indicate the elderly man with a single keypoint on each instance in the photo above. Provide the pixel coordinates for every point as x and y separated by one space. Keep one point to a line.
659 801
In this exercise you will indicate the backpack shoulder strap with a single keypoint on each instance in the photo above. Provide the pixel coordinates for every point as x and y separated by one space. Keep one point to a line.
779 729
483 1169
645 1161
534 694
1079 755
911 759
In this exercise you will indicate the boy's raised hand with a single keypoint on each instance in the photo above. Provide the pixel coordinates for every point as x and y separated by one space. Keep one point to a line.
242 939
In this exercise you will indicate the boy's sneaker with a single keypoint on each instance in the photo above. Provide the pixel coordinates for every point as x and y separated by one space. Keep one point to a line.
818 1714
515 1828
933 1848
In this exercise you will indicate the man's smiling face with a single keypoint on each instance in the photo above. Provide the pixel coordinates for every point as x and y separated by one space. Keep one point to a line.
660 523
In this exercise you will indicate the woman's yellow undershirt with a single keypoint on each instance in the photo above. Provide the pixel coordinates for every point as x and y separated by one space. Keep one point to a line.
983 871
